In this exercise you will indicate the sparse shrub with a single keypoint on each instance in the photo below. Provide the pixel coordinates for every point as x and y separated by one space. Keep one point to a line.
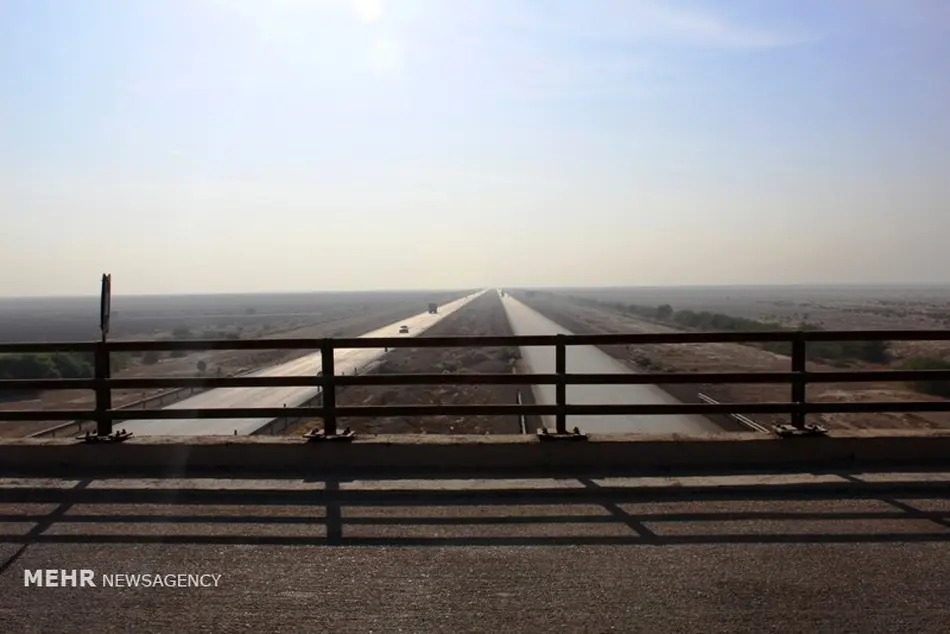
867 351
120 361
934 388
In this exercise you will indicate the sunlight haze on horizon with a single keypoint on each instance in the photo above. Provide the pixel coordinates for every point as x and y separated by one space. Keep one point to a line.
190 146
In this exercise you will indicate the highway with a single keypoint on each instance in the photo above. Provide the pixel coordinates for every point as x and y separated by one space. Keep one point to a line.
592 360
346 361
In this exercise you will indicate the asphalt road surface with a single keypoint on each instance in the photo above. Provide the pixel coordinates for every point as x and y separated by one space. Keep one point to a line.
592 360
684 566
346 361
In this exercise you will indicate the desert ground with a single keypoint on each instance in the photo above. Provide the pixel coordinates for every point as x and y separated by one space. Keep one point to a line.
236 316
839 309
580 310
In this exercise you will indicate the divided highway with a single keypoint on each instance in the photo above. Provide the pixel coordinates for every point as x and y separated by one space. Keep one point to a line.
592 360
346 361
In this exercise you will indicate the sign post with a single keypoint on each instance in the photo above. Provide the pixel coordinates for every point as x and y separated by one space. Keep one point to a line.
105 305
102 362
103 372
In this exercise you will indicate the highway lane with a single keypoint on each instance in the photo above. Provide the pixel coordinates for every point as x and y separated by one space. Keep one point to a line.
591 360
346 361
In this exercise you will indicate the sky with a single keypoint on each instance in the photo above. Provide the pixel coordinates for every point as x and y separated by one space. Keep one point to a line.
189 146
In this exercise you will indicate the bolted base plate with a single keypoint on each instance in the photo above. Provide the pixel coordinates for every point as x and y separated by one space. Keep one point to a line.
118 436
550 434
810 429
318 435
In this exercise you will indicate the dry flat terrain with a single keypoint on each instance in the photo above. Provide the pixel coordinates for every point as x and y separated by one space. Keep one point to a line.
833 308
484 316
732 358
154 317
260 316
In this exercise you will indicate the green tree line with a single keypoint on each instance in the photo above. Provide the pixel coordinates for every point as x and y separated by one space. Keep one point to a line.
56 365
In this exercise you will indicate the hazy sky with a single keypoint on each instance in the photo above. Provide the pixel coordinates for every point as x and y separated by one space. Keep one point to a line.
248 145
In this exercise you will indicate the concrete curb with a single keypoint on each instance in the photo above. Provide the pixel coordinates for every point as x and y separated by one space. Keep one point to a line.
485 456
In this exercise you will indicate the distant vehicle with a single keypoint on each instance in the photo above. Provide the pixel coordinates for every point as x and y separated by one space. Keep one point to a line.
404 330
433 309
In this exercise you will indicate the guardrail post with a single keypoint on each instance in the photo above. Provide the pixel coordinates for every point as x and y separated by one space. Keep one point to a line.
560 390
103 391
329 388
799 384
560 368
799 355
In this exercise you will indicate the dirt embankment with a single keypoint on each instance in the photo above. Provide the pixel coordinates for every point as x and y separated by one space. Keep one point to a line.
484 316
714 357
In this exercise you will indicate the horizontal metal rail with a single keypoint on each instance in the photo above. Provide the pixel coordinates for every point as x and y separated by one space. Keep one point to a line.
876 376
798 378
373 411
484 341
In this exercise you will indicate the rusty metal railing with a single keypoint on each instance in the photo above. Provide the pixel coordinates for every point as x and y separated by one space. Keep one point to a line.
798 378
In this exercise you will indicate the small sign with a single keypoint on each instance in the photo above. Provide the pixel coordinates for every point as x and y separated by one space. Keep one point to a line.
105 304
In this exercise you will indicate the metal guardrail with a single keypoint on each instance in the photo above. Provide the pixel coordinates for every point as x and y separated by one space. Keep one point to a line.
798 378
162 398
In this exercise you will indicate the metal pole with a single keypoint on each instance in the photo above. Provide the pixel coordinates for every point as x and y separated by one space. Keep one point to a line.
103 391
329 388
560 368
798 383
103 370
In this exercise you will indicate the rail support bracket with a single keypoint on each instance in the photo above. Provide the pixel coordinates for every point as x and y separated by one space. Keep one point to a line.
118 436
319 435
547 434
809 429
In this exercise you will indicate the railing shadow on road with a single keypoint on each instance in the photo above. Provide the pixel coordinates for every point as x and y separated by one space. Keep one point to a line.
640 526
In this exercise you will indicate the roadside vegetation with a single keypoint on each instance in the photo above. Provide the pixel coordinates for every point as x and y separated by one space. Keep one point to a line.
934 388
705 321
56 365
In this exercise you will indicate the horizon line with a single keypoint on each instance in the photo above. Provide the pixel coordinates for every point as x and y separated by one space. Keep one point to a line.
935 285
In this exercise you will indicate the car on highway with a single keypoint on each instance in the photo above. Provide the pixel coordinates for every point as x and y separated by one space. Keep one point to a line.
404 330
